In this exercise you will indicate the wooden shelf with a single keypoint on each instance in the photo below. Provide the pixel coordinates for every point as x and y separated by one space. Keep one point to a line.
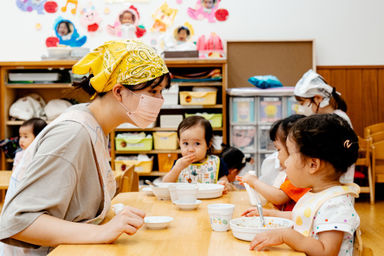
155 151
17 122
156 129
191 106
196 84
153 173
40 86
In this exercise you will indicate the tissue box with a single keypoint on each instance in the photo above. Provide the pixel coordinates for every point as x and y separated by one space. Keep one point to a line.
165 140
171 95
170 121
138 142
198 98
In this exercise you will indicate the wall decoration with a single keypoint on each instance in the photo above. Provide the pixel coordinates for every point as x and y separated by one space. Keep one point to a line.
74 9
67 34
30 5
210 47
107 11
38 26
180 40
126 24
52 41
90 19
124 1
51 7
208 9
164 17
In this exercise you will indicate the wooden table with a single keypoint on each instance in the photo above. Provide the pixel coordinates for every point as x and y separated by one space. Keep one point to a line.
5 177
190 232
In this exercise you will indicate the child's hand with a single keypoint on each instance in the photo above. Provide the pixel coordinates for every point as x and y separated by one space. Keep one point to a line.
128 221
185 161
250 212
250 179
225 183
268 238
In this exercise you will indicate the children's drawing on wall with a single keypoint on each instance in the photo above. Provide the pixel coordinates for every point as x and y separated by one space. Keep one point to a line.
210 46
125 1
208 9
50 7
164 17
73 2
126 24
179 40
30 5
67 34
90 19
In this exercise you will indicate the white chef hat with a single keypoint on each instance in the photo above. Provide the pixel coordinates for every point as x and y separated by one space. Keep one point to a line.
312 84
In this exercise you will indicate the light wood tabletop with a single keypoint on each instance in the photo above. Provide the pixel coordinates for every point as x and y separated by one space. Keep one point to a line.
5 177
189 233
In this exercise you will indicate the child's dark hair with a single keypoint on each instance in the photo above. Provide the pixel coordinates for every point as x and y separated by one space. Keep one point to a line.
327 137
280 129
37 125
183 28
233 157
85 84
67 24
195 121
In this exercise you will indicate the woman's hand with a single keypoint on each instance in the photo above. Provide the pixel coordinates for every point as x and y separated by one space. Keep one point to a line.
184 162
128 221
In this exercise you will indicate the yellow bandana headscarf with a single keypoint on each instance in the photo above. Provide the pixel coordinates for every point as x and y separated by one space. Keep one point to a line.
126 62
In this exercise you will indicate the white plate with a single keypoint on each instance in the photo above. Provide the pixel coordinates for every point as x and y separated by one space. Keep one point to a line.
157 222
209 190
148 191
187 206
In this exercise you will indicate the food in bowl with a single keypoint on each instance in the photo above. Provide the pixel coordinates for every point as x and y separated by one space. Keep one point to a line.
246 228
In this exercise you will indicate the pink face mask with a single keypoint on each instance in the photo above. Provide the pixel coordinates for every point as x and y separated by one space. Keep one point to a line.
147 109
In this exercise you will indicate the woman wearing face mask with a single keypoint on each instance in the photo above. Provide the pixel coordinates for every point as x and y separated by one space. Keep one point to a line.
65 183
315 96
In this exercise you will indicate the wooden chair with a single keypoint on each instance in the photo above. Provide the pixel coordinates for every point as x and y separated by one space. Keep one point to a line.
359 248
378 161
365 160
127 180
5 177
372 129
376 137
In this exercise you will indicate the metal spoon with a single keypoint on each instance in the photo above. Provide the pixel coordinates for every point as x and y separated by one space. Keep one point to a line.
260 210
150 183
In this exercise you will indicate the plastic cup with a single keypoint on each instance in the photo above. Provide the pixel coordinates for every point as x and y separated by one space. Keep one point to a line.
187 193
220 215
173 192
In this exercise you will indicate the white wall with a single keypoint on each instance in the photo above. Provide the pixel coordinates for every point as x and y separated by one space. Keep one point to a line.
347 32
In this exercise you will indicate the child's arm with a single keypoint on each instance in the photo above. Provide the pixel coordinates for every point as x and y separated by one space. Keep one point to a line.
180 165
267 212
47 230
329 242
271 193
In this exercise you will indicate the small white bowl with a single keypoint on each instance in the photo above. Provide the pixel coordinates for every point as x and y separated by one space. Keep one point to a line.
187 206
246 228
206 191
161 191
148 191
157 222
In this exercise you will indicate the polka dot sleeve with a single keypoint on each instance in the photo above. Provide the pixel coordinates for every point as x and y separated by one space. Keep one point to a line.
337 214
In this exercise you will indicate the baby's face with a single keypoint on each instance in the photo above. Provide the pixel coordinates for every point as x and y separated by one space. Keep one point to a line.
283 153
26 136
182 35
127 18
208 4
192 141
62 29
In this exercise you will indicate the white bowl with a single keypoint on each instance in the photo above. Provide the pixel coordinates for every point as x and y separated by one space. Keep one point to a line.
206 191
157 222
58 52
187 206
246 228
148 191
161 191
